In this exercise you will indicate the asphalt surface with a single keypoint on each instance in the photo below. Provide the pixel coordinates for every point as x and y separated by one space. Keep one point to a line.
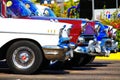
98 70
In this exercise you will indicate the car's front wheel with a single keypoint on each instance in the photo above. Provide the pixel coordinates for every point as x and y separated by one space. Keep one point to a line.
75 61
24 57
87 59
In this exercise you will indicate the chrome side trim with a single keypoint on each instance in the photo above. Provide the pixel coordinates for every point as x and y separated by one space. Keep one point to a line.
27 33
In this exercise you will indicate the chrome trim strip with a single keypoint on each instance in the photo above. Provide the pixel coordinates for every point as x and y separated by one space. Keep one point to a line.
27 33
52 47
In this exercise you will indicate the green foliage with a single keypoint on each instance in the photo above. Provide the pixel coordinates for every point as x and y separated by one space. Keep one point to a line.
114 20
56 9
34 1
118 38
69 4
38 1
61 9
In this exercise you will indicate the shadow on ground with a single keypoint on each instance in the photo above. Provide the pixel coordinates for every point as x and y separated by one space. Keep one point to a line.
58 69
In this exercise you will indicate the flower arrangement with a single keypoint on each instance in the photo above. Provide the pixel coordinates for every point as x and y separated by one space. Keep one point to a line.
113 21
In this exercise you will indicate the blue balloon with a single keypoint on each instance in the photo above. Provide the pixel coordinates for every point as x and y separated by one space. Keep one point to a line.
19 8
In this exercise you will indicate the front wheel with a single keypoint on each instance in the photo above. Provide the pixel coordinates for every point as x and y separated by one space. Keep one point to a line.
75 61
24 57
87 59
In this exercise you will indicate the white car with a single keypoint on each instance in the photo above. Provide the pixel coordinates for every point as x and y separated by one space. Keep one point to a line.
28 44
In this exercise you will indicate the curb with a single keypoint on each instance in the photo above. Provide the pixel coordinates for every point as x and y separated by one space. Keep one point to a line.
113 56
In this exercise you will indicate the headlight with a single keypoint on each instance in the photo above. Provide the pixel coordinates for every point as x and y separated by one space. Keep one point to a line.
60 32
72 45
64 35
64 32
68 31
108 43
81 40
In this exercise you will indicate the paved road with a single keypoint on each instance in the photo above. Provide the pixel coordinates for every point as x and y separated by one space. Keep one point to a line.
98 70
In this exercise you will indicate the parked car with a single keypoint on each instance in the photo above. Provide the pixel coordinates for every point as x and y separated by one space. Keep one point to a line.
27 46
75 32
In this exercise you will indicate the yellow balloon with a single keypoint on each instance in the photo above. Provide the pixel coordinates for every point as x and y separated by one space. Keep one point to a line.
9 3
27 6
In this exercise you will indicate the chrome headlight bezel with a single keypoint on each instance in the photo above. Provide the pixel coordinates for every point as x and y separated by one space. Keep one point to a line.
60 32
64 32
80 40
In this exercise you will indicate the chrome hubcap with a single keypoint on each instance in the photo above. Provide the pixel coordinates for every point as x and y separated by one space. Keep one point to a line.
23 57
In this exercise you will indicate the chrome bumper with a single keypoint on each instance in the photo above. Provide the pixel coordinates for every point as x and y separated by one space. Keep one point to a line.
57 53
114 46
85 50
